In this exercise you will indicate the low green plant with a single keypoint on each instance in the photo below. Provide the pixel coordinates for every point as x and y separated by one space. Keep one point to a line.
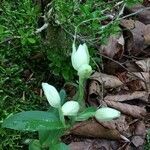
18 44
147 144
51 125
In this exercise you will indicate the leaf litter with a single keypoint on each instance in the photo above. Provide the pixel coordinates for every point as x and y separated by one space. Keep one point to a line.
122 84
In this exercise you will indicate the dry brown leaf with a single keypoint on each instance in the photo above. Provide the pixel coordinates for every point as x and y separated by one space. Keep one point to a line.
137 141
143 16
96 144
140 75
146 34
119 124
135 42
143 77
132 110
108 81
95 93
140 129
142 95
80 146
134 85
94 89
135 80
132 67
129 24
111 67
92 128
146 3
115 47
144 64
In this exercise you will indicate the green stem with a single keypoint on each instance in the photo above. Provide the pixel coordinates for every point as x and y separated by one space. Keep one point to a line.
61 116
81 92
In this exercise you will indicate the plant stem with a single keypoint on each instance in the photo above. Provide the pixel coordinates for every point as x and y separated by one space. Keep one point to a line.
81 92
61 116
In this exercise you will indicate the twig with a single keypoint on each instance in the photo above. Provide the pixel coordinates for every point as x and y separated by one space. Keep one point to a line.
122 66
124 138
42 28
10 39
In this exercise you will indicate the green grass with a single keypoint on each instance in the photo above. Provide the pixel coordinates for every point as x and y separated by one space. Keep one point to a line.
17 45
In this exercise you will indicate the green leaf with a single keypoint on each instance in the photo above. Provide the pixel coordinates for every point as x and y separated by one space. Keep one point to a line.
31 40
60 146
50 137
1 29
43 135
33 121
86 114
35 145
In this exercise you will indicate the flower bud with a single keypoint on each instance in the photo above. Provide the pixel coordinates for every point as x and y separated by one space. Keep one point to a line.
106 114
52 95
80 56
85 71
70 108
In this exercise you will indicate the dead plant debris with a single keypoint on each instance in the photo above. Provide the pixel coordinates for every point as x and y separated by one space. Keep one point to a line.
123 84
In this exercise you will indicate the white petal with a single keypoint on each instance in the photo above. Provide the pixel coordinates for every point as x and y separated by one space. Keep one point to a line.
70 108
72 57
52 95
85 71
106 114
80 57
87 52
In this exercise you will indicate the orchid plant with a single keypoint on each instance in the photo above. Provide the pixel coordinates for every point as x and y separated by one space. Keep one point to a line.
62 115
80 59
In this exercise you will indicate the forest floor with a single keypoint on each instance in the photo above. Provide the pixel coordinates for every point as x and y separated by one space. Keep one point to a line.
122 84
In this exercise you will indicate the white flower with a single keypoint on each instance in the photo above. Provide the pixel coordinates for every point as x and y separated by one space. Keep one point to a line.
70 108
85 71
80 56
106 114
52 95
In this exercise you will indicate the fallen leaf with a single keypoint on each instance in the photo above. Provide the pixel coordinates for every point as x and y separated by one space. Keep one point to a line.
111 67
143 77
96 144
92 128
146 3
142 95
132 110
137 141
132 67
129 24
135 43
143 16
146 34
140 129
114 47
139 75
102 144
135 85
119 124
80 145
94 89
144 64
109 81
